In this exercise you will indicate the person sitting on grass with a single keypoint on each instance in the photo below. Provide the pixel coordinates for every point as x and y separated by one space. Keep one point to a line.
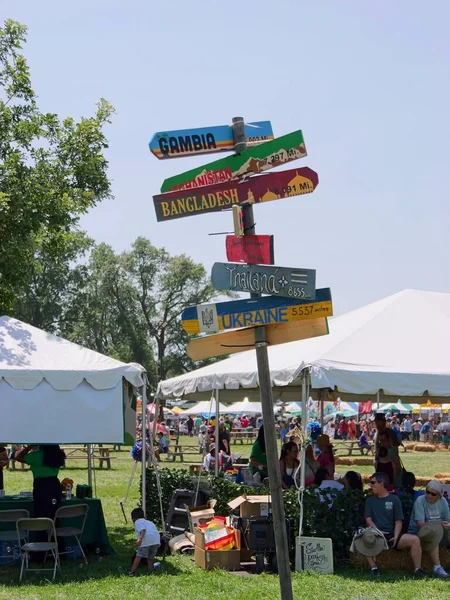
163 447
430 520
383 511
148 541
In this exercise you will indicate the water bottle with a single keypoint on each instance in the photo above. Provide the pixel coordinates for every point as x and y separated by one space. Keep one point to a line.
68 492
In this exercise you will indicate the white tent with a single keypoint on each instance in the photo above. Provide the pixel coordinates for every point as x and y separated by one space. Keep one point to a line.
398 345
54 391
246 407
206 407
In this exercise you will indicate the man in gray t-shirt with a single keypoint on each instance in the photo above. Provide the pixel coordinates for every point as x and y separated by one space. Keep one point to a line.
384 512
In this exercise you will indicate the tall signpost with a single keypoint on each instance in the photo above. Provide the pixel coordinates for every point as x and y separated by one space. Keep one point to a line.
292 308
265 391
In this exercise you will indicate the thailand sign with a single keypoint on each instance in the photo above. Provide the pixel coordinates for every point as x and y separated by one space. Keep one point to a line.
252 312
240 340
204 140
259 279
250 249
252 161
223 196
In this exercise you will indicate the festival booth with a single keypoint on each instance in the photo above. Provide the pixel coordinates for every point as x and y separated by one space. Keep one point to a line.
53 391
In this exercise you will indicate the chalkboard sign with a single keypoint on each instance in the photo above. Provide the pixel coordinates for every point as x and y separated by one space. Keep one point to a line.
314 554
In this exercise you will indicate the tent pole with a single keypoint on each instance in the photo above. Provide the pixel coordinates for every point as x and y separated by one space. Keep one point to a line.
216 464
378 400
144 445
304 416
89 453
321 410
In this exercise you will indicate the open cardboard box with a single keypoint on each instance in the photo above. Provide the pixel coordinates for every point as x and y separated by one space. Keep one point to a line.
251 506
199 515
230 560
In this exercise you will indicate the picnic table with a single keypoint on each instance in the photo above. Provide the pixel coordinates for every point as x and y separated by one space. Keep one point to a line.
179 450
346 447
81 453
243 435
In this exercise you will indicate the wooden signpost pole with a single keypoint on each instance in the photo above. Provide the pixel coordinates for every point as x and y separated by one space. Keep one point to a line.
265 390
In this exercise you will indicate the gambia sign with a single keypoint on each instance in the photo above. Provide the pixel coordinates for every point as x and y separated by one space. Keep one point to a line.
204 140
265 188
252 161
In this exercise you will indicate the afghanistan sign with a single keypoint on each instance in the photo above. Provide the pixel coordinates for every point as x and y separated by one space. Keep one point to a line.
204 140
259 279
237 314
238 166
222 196
250 249
239 340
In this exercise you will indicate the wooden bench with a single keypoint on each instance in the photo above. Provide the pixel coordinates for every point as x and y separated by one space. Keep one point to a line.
102 457
243 436
180 450
347 447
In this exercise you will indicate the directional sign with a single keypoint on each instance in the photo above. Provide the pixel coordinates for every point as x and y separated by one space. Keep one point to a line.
204 140
276 281
250 249
222 196
237 166
239 340
268 310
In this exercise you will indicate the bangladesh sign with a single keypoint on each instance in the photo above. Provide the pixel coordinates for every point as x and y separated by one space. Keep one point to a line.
237 314
239 340
259 279
222 196
250 249
204 140
252 161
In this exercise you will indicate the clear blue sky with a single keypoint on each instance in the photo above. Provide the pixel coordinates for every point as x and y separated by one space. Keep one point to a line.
367 82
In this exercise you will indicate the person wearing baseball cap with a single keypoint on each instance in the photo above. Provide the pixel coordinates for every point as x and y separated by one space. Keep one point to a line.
430 520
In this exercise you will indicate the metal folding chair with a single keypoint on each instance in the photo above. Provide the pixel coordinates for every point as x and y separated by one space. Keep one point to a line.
76 511
37 525
9 535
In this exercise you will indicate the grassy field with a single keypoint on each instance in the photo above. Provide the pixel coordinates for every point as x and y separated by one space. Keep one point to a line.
180 579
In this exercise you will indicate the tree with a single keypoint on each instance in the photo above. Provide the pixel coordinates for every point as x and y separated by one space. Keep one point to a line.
51 170
131 304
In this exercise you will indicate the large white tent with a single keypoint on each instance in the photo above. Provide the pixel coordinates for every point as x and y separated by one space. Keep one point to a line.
205 407
396 346
55 391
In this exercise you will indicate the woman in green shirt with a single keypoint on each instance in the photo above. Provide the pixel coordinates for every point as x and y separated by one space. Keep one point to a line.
258 456
45 462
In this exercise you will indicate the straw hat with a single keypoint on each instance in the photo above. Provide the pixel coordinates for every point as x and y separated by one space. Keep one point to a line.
369 544
430 535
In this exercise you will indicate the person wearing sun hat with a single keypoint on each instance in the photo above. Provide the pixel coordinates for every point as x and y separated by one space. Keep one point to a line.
430 520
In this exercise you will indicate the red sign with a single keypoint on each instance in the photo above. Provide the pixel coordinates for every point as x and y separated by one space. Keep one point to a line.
250 249
223 196
365 408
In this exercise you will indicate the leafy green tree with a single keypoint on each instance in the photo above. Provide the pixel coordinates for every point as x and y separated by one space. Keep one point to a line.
52 171
131 304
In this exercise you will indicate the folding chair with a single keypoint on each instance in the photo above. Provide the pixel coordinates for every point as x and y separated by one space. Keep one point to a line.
37 525
76 530
10 533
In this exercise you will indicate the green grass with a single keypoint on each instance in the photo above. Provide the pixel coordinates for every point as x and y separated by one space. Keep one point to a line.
180 579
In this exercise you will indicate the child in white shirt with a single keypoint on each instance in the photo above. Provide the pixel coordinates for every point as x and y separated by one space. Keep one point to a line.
148 541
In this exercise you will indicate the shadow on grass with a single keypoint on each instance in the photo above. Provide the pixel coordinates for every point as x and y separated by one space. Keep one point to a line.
351 572
100 566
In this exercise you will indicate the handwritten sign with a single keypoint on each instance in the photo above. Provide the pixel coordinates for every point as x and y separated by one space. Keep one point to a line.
252 161
223 196
268 310
289 282
250 249
240 340
314 554
204 140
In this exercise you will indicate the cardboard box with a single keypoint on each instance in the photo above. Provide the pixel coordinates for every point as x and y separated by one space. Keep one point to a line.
251 506
199 515
230 560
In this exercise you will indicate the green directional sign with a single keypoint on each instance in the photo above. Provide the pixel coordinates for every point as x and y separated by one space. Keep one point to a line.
238 166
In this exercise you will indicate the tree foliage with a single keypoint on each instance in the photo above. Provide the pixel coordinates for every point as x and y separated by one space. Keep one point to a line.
130 306
52 171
